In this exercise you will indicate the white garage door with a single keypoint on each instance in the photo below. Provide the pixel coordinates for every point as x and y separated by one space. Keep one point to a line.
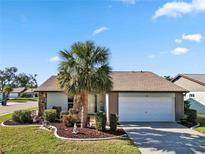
136 107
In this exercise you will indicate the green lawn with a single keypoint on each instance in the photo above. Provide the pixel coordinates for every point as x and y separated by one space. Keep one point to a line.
23 100
201 119
34 140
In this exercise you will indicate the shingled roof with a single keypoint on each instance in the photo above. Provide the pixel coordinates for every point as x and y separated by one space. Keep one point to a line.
18 90
199 78
126 81
142 82
50 85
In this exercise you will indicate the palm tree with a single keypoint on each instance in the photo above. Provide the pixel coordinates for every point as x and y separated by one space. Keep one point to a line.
7 89
84 70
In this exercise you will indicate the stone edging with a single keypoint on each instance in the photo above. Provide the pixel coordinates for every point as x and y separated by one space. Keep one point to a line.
3 125
86 139
65 138
197 125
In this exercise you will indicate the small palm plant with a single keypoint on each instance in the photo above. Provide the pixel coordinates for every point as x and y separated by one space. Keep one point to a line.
84 70
7 89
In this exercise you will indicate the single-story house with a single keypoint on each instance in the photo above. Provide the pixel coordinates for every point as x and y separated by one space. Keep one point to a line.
195 83
16 92
135 97
1 95
30 92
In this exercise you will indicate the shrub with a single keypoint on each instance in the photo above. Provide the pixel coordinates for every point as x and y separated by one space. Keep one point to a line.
64 113
69 120
22 116
100 121
73 111
50 115
16 116
191 115
186 105
113 122
58 110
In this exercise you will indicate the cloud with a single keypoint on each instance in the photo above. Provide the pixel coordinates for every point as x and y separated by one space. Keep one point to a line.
178 41
179 51
100 30
192 37
132 2
175 9
54 59
152 56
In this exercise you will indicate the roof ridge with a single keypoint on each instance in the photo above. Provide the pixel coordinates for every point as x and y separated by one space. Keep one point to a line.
131 71
193 74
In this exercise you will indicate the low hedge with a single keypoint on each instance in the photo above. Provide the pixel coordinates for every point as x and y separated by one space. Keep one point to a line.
50 115
191 115
113 122
22 116
100 121
58 110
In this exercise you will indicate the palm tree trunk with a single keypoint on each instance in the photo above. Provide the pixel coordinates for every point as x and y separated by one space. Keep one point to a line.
3 98
77 104
84 110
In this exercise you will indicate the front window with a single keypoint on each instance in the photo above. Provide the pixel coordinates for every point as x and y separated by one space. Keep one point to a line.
96 102
70 102
191 95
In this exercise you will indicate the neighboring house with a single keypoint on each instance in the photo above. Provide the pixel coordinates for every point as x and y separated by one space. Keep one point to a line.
135 97
16 92
30 92
195 83
1 95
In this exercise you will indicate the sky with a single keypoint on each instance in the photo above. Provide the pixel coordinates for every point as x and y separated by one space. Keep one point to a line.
162 36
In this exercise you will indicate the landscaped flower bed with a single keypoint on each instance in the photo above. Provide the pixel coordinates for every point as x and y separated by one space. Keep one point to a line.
64 131
11 122
66 126
23 117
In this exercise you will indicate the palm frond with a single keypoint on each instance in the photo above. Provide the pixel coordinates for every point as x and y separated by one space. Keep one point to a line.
85 68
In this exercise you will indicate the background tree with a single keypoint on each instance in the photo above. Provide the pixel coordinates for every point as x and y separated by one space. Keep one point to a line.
24 80
7 77
83 70
169 78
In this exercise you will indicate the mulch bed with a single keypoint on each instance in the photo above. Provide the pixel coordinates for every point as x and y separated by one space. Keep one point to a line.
11 122
190 124
64 131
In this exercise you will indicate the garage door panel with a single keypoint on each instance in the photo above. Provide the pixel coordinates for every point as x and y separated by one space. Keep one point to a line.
144 109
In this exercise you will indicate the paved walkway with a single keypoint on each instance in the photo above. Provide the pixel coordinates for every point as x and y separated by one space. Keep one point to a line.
165 138
11 107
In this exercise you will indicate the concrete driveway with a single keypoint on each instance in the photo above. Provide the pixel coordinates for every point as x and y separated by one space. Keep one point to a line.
161 138
12 106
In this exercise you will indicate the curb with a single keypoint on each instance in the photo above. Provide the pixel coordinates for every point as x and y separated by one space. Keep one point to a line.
86 139
197 125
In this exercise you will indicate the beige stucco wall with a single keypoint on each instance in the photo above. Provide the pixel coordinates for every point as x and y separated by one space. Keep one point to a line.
113 102
189 85
57 99
61 99
179 105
